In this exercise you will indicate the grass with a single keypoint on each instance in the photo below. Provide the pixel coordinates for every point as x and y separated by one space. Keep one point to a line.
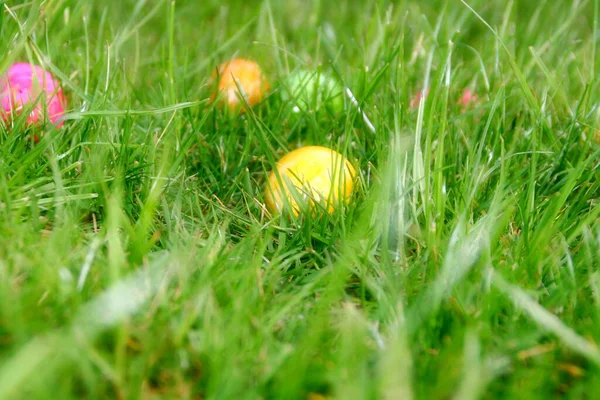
137 260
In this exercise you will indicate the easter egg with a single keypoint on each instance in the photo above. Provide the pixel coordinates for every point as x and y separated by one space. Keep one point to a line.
309 176
416 99
312 92
246 75
468 99
29 87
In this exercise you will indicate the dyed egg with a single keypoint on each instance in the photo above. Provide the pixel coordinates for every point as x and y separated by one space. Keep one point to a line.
250 79
312 92
307 176
468 98
416 99
29 87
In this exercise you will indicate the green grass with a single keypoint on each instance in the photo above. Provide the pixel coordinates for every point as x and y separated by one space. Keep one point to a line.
136 259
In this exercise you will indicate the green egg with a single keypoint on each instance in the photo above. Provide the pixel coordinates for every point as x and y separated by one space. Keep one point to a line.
312 92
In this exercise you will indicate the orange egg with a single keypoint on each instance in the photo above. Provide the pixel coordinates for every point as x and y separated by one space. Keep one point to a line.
310 175
249 78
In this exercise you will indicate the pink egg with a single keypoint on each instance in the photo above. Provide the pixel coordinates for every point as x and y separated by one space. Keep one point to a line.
28 86
416 99
468 98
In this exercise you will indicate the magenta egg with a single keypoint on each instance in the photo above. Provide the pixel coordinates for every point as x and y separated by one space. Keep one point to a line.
27 86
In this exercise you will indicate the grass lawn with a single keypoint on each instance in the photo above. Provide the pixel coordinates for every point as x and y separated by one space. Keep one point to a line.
137 258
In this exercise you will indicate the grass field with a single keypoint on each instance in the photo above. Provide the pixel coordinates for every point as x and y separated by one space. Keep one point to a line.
137 259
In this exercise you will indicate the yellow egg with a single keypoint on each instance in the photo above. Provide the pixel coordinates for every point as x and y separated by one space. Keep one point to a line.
310 175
